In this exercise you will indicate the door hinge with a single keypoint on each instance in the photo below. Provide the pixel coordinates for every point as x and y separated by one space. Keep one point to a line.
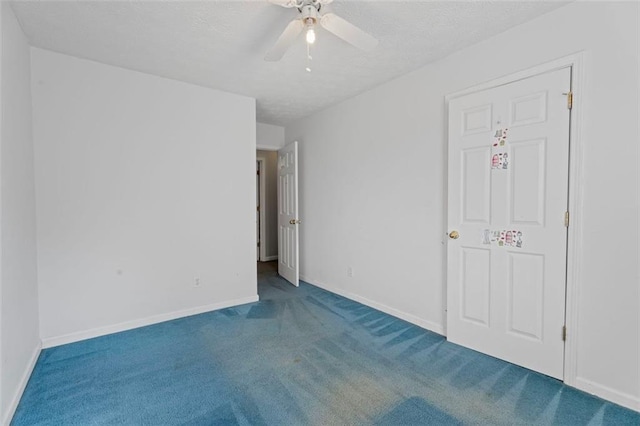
258 172
570 100
258 208
566 219
258 243
564 333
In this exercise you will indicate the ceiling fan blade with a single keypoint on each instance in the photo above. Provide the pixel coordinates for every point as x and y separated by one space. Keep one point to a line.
285 3
348 32
285 40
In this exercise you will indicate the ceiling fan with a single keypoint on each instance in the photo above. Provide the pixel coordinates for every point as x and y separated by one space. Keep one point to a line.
309 16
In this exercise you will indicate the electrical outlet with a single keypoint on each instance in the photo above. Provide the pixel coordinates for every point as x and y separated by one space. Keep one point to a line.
196 282
349 271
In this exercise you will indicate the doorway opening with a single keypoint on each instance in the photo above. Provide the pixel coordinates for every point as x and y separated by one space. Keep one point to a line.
277 220
266 216
266 206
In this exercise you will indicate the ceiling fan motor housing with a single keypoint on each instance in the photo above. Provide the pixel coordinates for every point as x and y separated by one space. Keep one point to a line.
309 12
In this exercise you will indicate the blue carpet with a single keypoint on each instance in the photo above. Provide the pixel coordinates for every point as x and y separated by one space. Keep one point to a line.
298 357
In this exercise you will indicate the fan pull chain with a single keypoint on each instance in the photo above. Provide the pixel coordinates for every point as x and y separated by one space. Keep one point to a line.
309 58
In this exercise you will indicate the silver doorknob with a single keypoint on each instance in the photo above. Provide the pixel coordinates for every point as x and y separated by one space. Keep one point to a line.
454 235
294 222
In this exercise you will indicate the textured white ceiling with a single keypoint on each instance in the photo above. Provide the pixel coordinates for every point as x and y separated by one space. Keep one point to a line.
221 44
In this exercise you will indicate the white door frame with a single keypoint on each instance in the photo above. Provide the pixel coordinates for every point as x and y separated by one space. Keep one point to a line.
574 250
262 161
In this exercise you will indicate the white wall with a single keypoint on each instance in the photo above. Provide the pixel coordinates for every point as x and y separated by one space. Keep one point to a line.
373 174
269 136
270 207
143 184
20 340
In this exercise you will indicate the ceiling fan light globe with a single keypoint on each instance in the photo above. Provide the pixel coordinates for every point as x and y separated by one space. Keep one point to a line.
311 36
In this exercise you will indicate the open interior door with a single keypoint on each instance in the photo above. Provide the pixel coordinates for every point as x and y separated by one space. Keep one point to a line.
288 213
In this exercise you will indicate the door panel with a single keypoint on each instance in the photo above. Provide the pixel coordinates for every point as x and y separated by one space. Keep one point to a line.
526 284
528 109
476 285
506 291
477 120
528 190
288 213
477 186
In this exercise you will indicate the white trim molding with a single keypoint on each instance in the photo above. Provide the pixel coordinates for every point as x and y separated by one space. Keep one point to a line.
624 399
575 230
574 60
142 322
13 405
269 258
262 167
422 323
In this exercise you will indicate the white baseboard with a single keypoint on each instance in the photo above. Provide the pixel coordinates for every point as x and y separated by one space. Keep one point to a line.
269 258
429 325
11 409
128 325
620 398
